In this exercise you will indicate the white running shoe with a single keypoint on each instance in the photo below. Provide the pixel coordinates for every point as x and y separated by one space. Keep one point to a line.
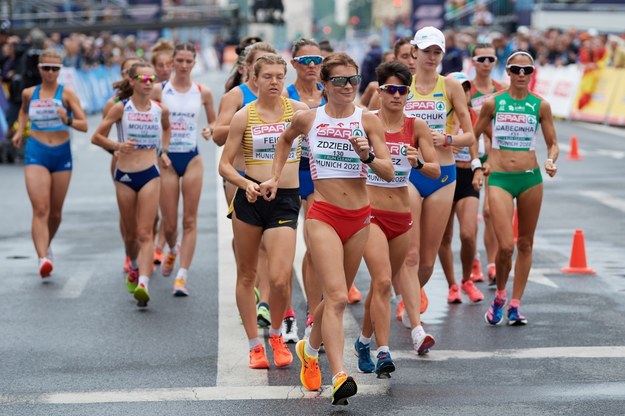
423 342
405 320
289 330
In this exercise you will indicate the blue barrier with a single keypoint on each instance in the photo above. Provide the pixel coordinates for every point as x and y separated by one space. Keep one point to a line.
93 86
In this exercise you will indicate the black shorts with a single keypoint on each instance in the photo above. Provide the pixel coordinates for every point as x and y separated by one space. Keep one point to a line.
283 211
464 187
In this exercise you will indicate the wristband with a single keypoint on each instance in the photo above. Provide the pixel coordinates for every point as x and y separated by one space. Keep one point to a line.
368 160
476 164
161 151
448 140
70 120
549 160
420 164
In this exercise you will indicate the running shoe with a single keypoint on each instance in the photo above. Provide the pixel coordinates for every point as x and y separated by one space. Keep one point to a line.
492 274
424 301
45 268
50 254
385 365
132 279
423 342
354 295
282 357
494 316
343 387
309 375
472 292
399 310
515 318
453 296
127 265
263 317
257 295
158 255
363 352
142 295
180 289
289 329
168 266
476 271
309 326
258 359
405 320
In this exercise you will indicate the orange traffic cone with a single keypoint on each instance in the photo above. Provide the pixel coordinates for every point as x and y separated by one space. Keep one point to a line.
574 153
515 225
577 264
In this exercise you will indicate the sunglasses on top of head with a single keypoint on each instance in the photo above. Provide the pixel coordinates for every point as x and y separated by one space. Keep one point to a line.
518 69
342 81
50 67
485 58
392 89
307 59
146 78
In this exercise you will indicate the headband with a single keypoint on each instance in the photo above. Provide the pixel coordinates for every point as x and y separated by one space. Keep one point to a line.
519 53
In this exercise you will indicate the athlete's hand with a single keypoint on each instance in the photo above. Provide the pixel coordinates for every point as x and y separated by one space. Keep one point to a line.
478 179
268 189
486 169
127 146
361 146
414 156
62 113
550 167
165 160
207 133
438 138
252 192
17 139
455 149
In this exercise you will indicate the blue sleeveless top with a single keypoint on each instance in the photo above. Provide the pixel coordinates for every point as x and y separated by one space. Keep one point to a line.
43 112
248 95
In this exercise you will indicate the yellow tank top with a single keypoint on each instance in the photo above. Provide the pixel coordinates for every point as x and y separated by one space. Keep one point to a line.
260 138
434 108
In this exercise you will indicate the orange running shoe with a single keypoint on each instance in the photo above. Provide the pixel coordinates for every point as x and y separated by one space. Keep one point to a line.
453 296
127 264
399 310
424 301
354 295
158 255
282 357
168 266
258 359
309 375
476 271
472 292
343 386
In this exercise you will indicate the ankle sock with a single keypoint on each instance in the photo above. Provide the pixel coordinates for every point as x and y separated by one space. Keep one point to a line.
515 303
364 340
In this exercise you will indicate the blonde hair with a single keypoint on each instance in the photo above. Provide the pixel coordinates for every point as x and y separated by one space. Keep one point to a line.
50 53
269 59
161 47
258 47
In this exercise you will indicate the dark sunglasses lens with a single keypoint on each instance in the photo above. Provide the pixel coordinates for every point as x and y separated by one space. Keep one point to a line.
339 81
516 69
489 59
306 60
50 68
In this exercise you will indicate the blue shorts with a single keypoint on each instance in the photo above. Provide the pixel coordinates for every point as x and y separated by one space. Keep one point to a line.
54 158
223 180
180 161
427 186
306 186
137 180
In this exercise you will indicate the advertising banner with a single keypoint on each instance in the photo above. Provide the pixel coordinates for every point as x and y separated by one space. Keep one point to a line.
558 85
428 13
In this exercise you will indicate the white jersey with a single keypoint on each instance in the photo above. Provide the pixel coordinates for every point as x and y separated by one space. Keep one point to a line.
184 112
331 153
144 127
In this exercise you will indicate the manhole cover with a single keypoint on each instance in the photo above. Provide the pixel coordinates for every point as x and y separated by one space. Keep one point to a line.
17 257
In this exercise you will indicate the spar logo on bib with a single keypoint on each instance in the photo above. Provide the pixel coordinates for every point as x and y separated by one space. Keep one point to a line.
357 133
421 105
440 106
396 149
512 118
263 129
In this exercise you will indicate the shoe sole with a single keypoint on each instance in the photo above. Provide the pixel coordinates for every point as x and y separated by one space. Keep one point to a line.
300 355
454 301
179 293
262 322
131 288
385 370
292 340
45 270
518 322
428 342
491 323
142 296
347 389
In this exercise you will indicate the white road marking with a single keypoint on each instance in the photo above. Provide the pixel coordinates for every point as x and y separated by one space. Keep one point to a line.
617 351
538 276
223 393
75 285
616 154
605 199
232 366
616 131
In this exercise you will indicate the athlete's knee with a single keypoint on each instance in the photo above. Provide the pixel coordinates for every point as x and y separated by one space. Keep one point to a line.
382 286
41 211
246 278
524 245
412 258
279 285
144 235
467 237
335 300
425 271
447 239
189 224
505 251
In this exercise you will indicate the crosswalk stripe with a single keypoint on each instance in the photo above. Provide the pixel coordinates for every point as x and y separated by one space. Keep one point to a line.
605 199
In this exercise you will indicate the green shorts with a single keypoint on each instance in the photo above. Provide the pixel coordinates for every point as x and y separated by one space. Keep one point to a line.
515 183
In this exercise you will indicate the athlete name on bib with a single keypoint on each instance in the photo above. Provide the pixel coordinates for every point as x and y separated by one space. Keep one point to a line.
44 113
264 140
401 165
515 131
183 132
334 151
145 129
433 112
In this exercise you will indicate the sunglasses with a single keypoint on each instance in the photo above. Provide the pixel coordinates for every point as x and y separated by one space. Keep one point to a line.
518 69
485 58
146 78
307 59
50 67
342 81
392 89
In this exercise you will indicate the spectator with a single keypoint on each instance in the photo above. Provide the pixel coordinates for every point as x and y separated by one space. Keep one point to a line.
453 58
616 51
372 59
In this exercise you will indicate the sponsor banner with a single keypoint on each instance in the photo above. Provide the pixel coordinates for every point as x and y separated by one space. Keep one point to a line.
616 113
595 102
428 13
93 87
558 85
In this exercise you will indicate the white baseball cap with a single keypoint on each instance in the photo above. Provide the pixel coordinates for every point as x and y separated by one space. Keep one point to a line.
429 36
460 77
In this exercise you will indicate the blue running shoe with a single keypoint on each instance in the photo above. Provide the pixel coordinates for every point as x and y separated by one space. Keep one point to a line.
363 352
385 365
515 318
494 316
